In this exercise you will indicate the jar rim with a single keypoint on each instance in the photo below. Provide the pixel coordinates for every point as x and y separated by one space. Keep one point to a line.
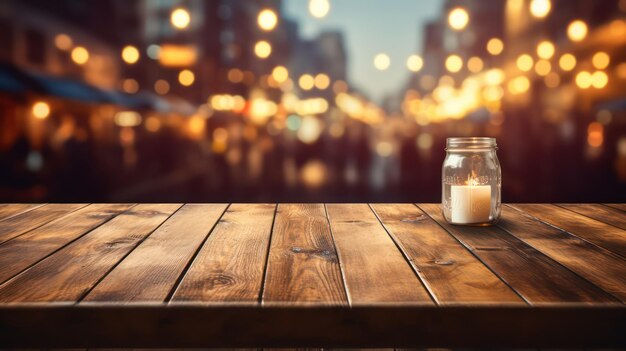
471 143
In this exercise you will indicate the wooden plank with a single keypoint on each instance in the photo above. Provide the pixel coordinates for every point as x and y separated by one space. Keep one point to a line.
151 271
599 233
533 275
373 268
20 224
216 326
230 264
621 207
29 248
11 210
302 265
599 266
452 274
71 272
600 213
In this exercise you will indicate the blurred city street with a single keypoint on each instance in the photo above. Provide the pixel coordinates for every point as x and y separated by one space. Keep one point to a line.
302 101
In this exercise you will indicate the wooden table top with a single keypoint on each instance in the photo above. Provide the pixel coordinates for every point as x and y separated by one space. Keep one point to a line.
226 275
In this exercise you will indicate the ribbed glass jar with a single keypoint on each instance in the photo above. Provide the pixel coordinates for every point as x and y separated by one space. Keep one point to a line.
471 181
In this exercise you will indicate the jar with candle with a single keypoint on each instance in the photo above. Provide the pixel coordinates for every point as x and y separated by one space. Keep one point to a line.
471 182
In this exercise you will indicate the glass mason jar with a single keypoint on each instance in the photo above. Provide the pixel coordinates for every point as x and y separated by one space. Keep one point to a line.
471 182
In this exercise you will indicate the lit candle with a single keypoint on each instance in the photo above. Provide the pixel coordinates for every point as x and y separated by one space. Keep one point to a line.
470 203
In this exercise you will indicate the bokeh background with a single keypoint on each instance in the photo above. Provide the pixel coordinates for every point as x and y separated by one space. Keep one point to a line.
318 100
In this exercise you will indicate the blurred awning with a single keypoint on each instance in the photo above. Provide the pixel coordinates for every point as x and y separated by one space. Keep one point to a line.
15 80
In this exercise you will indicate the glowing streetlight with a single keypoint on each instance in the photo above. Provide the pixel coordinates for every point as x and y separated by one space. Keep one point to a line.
414 63
262 49
577 30
454 63
130 54
41 110
382 61
540 8
267 19
180 18
319 8
186 77
583 80
545 50
599 79
458 18
495 46
280 74
80 55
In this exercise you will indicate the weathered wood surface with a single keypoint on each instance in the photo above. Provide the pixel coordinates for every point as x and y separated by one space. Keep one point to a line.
310 275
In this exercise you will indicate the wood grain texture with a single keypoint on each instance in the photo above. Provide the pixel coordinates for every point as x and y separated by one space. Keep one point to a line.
20 224
599 233
599 266
150 271
600 213
373 268
303 267
621 207
10 210
533 275
230 264
25 250
75 269
452 274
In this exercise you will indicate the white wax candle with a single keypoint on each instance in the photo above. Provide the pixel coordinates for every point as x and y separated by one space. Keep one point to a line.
470 203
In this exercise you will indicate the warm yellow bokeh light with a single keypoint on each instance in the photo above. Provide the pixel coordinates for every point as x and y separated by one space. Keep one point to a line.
382 62
518 85
306 82
63 42
161 87
280 74
41 110
552 80
543 67
595 134
130 86
414 63
267 20
130 54
319 8
322 81
263 49
475 64
525 62
577 30
601 60
599 79
458 18
540 8
180 18
80 55
567 62
545 50
583 80
495 46
454 63
186 77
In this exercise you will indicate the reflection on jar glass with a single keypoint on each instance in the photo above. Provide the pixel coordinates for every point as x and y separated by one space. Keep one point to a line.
471 182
